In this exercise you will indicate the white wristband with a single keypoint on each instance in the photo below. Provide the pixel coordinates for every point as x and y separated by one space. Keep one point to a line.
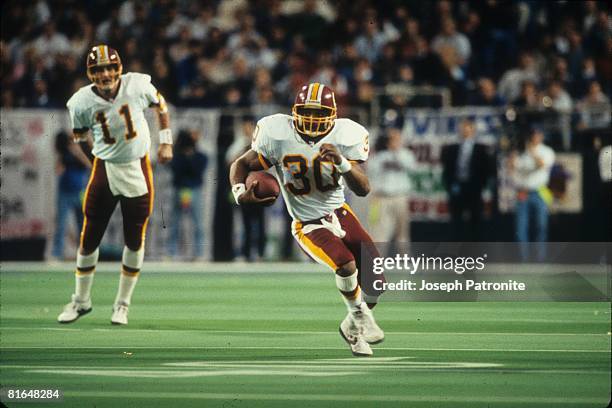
344 166
238 190
165 136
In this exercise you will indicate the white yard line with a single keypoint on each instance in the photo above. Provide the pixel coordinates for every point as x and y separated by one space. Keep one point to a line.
313 365
173 267
297 332
136 347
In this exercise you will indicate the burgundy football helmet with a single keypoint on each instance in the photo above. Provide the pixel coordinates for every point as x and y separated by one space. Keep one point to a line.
99 57
314 111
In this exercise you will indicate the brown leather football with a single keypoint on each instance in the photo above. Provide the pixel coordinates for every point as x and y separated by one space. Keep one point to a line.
267 185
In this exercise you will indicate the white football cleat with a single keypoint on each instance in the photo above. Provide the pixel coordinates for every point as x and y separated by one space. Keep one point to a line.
73 310
120 312
351 333
372 333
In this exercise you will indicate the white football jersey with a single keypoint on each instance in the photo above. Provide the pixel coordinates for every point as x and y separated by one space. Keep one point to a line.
311 187
120 130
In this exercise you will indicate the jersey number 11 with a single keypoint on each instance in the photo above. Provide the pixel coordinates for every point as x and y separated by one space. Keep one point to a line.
129 126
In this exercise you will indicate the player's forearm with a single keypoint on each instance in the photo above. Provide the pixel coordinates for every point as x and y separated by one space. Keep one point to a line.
162 112
163 117
164 152
78 152
239 170
164 120
85 146
357 181
165 133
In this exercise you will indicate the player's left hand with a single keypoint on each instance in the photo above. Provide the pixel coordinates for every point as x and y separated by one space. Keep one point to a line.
164 153
329 152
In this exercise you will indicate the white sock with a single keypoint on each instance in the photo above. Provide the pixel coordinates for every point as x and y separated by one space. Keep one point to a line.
86 266
132 262
127 283
350 290
84 281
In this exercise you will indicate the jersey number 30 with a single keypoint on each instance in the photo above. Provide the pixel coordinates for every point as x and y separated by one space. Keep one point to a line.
129 125
298 166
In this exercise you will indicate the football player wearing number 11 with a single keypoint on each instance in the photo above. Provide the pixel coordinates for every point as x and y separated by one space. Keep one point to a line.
314 155
112 108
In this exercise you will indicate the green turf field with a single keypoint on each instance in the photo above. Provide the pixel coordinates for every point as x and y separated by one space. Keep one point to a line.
269 339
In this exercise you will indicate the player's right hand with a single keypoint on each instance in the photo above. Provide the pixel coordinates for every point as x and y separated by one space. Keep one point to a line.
249 197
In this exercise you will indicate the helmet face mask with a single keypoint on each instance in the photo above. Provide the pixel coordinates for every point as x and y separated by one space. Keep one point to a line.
104 67
314 111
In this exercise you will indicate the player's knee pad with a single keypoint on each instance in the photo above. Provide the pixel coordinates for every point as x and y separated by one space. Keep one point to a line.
87 263
133 259
347 269
347 283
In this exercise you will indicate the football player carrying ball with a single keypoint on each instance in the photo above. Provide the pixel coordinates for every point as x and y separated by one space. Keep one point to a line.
315 154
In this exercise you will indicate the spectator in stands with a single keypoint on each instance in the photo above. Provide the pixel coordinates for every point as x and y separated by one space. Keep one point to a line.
467 168
531 172
585 76
510 84
369 45
175 22
450 37
486 94
594 109
40 98
389 209
559 98
594 96
575 57
596 40
560 73
309 24
204 21
104 29
51 44
188 167
253 216
72 167
529 97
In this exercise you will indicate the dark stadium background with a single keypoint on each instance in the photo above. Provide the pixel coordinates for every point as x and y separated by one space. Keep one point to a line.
242 55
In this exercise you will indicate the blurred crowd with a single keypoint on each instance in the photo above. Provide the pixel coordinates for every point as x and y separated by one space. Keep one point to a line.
548 54
549 57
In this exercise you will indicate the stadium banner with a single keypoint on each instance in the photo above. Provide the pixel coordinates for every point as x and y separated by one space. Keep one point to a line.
487 271
29 180
564 189
28 172
426 132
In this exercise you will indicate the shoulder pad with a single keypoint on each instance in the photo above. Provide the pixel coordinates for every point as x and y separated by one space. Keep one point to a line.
78 99
277 121
135 83
350 132
136 77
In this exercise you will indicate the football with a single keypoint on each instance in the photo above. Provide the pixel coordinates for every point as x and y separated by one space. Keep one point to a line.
267 185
